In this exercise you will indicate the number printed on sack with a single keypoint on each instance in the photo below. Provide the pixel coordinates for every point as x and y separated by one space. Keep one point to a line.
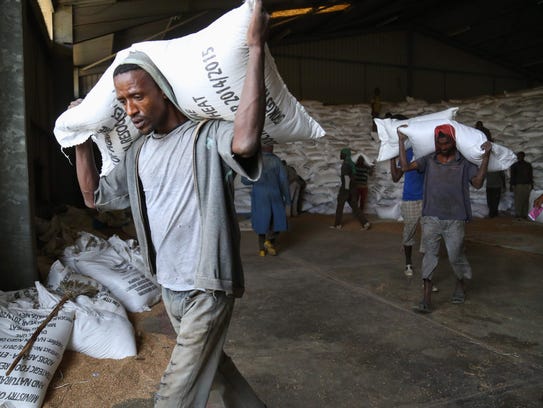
218 81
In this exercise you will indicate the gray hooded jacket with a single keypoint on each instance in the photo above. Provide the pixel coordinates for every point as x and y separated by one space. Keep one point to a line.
214 167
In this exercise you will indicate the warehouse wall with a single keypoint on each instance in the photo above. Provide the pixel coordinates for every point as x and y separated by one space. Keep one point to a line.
346 70
36 177
18 266
48 84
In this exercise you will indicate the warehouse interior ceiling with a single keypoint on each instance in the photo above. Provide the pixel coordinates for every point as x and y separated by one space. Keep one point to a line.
505 32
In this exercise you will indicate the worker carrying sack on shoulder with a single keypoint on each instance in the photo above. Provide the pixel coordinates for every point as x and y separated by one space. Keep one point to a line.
206 71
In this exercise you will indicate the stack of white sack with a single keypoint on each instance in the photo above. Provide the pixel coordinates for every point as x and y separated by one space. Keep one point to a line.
206 71
514 119
117 265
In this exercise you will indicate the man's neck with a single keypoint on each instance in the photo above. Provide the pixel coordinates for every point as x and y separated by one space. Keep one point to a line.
175 119
446 157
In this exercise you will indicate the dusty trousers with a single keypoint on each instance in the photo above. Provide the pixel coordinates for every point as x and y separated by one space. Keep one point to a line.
198 362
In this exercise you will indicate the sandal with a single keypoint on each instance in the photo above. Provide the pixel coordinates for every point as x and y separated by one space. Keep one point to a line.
458 297
422 307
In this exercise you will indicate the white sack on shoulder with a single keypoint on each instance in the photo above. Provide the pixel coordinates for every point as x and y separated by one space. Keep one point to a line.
468 143
206 71
386 130
501 158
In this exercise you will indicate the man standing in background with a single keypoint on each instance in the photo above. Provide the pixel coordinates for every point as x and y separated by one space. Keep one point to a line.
345 195
359 182
296 187
495 180
521 183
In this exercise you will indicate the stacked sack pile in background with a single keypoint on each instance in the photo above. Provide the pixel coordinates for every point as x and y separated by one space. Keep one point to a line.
514 120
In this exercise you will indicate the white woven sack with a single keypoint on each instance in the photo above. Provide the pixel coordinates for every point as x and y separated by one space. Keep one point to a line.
97 332
26 298
27 384
128 284
468 142
387 131
103 300
116 266
206 70
390 212
501 158
130 251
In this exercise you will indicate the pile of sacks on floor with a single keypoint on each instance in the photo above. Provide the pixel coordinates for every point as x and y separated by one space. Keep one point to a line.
103 279
514 119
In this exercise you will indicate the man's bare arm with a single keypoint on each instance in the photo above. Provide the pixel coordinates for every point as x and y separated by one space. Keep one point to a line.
249 120
403 156
478 180
395 171
87 174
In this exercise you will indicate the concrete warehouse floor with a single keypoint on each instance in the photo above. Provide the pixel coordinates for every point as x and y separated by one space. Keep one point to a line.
328 323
